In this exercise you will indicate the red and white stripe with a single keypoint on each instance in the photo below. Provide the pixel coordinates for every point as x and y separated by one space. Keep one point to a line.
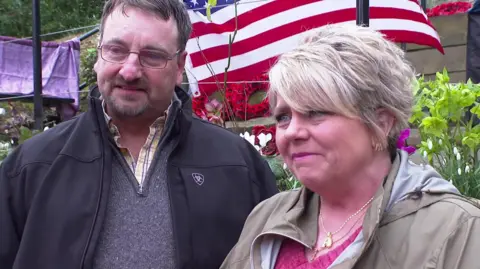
271 27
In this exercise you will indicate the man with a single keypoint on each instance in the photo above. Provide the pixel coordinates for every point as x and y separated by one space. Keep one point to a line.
136 181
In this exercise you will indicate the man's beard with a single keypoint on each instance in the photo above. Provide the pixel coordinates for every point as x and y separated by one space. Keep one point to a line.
118 108
123 110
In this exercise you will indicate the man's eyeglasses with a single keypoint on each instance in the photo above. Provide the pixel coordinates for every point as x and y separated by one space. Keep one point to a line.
148 58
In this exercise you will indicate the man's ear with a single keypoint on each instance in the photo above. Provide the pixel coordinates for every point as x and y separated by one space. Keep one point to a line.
385 120
182 57
95 66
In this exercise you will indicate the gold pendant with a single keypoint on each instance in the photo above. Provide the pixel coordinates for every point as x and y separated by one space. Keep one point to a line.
328 241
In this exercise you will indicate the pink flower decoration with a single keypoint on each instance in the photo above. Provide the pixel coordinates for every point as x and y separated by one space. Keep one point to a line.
213 106
216 120
402 142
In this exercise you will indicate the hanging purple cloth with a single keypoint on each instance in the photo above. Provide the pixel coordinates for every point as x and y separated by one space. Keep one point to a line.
60 68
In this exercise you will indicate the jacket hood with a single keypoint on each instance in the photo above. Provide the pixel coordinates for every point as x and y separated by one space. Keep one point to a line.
413 177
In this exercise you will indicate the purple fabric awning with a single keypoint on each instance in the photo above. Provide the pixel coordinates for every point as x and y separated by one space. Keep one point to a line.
60 68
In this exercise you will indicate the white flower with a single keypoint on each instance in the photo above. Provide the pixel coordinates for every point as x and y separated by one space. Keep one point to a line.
4 146
459 171
467 169
46 128
429 144
250 138
284 166
440 141
263 139
458 157
425 154
455 150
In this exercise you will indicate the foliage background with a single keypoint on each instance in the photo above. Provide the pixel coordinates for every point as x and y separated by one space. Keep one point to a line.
447 116
55 15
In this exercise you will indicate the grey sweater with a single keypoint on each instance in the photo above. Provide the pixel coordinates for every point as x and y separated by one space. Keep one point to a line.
137 232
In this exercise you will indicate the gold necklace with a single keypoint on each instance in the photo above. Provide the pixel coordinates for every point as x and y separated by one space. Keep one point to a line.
328 242
316 250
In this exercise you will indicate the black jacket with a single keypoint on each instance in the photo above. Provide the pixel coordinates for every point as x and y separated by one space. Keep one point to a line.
54 190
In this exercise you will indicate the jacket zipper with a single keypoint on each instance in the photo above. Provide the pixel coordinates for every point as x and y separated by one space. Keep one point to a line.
90 233
97 209
174 232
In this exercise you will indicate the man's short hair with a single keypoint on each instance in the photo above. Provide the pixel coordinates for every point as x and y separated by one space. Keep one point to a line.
164 9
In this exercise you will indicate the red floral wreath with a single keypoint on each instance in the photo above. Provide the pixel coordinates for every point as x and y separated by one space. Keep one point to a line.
210 110
198 105
271 147
237 96
450 8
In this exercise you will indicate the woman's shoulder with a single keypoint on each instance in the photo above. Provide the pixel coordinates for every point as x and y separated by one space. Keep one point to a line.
434 229
438 216
453 204
437 225
436 207
459 205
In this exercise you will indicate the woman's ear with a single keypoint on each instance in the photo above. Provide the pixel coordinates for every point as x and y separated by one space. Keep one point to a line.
385 120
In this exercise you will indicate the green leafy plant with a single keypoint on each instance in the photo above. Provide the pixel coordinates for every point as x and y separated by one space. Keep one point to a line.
447 118
5 148
210 4
16 125
88 59
285 179
55 15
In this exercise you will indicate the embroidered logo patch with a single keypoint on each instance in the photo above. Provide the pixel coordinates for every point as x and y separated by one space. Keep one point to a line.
198 178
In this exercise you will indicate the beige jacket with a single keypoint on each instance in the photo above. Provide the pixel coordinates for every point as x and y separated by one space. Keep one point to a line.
416 220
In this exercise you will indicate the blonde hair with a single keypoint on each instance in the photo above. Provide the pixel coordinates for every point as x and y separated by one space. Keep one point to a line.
348 70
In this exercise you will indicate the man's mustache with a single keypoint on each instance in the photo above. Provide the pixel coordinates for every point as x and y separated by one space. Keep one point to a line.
137 84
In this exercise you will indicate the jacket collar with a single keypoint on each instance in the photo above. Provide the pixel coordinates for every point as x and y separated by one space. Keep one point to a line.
376 211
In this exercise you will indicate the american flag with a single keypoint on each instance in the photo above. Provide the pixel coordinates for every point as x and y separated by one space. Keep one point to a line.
267 28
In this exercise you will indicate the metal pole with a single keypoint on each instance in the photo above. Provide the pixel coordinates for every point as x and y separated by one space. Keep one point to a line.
423 3
37 67
88 34
363 13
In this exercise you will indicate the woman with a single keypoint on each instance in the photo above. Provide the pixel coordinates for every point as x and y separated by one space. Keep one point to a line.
341 99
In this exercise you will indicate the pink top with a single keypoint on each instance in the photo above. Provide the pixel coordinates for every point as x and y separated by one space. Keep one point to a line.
292 255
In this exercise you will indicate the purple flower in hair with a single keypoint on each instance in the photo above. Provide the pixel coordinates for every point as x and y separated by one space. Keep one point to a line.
402 142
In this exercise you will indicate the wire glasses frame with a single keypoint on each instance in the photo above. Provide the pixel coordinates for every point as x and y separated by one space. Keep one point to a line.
148 58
